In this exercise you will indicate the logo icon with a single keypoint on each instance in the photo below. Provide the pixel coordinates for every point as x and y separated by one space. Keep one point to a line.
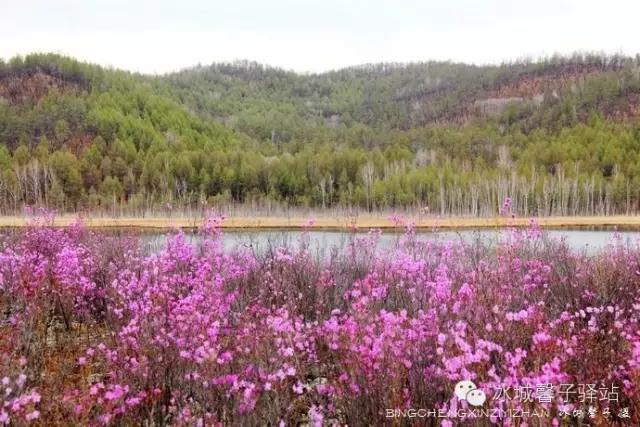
467 390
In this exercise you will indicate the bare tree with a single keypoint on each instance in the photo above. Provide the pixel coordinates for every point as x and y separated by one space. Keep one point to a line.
368 172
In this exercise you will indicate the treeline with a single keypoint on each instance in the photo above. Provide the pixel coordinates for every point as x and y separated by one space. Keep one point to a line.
77 136
584 170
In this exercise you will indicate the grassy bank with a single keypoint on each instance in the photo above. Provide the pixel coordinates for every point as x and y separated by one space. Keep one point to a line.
335 223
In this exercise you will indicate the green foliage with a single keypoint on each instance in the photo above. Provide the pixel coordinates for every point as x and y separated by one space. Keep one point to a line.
436 134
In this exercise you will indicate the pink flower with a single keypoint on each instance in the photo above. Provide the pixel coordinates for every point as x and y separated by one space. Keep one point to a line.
32 415
298 388
210 319
315 416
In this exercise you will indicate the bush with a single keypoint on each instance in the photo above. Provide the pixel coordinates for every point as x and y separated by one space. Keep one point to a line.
96 331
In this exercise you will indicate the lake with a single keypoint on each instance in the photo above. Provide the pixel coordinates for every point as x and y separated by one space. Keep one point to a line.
589 240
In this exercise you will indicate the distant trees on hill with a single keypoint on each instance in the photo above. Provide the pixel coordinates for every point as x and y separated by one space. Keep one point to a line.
77 136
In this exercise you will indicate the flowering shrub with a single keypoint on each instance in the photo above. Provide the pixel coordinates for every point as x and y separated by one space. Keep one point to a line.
96 331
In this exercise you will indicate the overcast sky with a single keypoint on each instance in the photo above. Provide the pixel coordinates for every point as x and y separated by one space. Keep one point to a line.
316 35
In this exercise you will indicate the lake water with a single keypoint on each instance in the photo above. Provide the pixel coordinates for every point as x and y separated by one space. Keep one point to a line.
259 241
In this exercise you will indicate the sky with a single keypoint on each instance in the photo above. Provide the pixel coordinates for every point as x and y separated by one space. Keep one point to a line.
313 35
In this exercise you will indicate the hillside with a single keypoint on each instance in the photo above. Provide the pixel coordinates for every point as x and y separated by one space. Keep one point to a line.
558 136
73 134
403 96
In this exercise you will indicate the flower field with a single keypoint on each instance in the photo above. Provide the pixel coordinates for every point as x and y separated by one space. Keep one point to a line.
94 330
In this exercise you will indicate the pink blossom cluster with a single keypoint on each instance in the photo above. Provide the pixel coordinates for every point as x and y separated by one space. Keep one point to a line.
96 331
17 402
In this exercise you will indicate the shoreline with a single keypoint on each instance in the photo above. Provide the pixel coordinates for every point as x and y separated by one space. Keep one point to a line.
335 224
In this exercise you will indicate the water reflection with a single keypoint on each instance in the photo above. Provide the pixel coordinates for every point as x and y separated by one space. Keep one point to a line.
319 241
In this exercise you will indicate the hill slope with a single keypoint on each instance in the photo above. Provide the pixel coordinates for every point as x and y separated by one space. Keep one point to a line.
409 95
71 130
557 136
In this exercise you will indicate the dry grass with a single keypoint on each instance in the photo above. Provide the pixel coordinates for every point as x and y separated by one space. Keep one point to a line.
335 223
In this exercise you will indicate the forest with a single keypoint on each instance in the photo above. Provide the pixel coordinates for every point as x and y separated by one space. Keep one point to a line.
556 136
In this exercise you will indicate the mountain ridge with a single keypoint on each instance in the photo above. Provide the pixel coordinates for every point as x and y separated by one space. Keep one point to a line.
458 138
